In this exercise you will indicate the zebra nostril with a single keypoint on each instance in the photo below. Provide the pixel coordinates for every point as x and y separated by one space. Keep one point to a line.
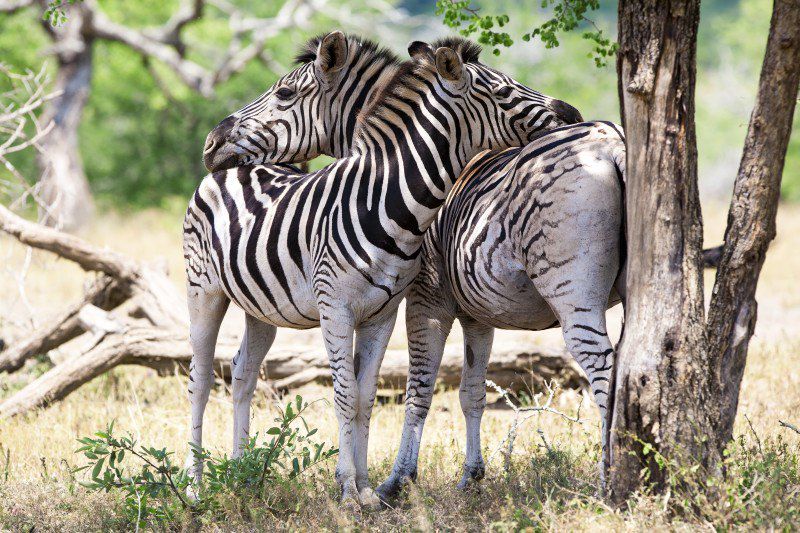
210 142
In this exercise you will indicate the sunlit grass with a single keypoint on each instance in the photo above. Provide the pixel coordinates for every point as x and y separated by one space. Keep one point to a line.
544 490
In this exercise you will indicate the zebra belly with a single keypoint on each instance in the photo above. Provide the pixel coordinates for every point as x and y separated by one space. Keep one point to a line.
299 313
491 285
369 301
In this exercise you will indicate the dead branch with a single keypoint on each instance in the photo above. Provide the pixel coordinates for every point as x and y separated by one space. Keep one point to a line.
133 315
789 426
506 447
87 256
105 293
168 352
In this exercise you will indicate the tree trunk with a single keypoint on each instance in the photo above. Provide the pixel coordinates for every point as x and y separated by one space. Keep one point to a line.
751 219
661 384
63 184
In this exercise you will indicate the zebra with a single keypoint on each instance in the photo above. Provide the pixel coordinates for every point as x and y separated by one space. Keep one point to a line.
316 106
338 248
529 238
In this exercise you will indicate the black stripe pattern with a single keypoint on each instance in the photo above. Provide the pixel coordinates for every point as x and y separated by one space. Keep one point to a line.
338 248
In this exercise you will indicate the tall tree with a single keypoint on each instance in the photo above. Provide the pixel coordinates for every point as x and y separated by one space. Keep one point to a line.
678 375
63 185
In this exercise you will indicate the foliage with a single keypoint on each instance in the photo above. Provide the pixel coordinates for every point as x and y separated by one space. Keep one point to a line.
156 489
567 16
458 13
55 13
142 145
143 131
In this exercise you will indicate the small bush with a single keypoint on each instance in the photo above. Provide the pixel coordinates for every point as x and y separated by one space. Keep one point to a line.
155 488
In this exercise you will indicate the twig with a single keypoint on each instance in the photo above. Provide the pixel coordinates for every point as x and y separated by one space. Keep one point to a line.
758 439
790 426
523 414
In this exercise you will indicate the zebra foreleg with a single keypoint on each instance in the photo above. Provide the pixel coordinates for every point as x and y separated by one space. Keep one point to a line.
371 341
472 393
428 327
206 311
245 367
337 326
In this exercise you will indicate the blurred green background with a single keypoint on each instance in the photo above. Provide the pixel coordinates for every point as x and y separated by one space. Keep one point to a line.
142 147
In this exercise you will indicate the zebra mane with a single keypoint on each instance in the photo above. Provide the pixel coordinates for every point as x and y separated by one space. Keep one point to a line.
366 48
410 75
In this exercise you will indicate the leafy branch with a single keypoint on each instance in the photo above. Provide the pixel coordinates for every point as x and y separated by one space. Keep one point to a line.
156 487
56 13
567 16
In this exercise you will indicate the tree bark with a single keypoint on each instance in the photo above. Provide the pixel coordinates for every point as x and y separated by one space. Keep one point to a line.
751 219
63 184
661 386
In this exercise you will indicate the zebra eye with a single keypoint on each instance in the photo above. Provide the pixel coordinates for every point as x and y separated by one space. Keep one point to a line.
284 93
503 91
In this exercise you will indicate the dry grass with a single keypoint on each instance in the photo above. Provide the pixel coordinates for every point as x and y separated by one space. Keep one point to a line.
544 491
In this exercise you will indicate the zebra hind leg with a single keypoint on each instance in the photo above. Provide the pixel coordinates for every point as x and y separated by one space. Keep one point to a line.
206 311
472 393
587 341
428 326
245 367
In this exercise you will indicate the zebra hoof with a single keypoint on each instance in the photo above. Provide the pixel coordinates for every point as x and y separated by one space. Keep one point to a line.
472 475
369 500
350 499
389 490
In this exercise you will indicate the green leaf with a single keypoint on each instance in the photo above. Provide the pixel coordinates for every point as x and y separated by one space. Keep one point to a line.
97 467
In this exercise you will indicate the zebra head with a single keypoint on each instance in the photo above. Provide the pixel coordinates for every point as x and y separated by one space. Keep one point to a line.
510 113
312 110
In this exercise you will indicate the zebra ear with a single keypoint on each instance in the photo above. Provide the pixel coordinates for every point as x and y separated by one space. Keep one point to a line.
448 64
420 50
331 53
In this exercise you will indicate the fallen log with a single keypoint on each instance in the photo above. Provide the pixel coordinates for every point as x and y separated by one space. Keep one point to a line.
168 352
146 290
105 293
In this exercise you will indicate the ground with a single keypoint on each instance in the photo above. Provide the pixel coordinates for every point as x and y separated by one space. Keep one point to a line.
545 489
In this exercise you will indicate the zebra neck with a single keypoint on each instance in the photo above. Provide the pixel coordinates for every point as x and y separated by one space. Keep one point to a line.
415 171
359 85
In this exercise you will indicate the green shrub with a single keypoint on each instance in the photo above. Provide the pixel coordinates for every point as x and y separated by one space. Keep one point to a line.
154 489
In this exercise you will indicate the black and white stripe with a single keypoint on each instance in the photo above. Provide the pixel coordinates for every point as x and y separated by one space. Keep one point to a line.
339 247
529 238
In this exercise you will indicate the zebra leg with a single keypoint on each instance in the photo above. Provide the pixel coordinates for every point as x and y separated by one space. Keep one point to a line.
584 328
587 341
472 393
371 341
206 311
337 330
245 367
428 325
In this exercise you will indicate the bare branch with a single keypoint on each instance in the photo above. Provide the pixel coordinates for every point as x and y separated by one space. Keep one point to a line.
506 447
164 43
87 256
10 6
790 426
169 33
192 74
